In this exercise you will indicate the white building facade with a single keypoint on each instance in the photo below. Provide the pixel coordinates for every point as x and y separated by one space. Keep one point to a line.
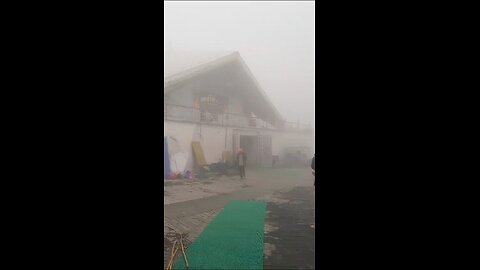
214 99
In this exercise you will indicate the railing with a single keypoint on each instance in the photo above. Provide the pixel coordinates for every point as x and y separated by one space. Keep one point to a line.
296 126
191 114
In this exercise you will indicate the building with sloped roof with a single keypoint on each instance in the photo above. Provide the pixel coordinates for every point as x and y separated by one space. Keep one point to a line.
213 99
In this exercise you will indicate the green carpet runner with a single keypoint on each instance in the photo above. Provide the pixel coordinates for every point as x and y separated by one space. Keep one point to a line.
233 240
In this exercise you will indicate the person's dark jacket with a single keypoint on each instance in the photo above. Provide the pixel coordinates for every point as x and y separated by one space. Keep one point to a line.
313 168
244 156
313 163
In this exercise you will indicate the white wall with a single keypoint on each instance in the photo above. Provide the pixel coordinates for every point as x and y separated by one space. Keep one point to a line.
212 139
213 142
282 140
183 133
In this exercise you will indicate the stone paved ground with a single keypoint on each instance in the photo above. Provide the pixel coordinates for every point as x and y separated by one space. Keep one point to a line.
176 191
189 226
192 216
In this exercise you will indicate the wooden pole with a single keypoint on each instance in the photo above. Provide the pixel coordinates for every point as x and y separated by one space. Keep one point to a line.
183 250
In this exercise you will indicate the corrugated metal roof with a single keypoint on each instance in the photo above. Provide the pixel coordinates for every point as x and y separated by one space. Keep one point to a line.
176 62
180 65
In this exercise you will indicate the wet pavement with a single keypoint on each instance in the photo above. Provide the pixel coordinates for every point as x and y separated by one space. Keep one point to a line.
289 236
290 230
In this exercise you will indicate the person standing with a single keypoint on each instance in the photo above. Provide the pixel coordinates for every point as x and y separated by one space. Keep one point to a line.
313 168
242 162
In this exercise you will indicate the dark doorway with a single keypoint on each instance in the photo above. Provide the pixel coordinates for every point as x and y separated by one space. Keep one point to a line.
250 145
258 149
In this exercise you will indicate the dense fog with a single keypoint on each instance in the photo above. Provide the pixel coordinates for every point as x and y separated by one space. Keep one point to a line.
276 40
239 125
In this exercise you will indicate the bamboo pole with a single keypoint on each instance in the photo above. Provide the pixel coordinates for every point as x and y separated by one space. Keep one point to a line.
172 255
169 267
183 250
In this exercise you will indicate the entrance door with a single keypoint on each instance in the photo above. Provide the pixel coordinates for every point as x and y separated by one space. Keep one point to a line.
166 159
257 147
265 150
249 143
236 145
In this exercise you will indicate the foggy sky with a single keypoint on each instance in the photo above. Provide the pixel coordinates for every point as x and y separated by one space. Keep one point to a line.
276 39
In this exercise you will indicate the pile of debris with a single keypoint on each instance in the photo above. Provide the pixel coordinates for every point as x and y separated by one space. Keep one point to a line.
177 175
215 170
204 172
179 244
175 162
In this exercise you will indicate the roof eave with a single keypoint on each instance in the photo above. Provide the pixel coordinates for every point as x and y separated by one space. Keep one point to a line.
192 72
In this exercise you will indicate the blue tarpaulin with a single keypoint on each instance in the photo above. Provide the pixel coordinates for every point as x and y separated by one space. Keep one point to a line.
166 160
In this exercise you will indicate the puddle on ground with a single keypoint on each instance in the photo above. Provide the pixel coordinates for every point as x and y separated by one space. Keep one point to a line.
270 228
271 237
268 249
272 199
